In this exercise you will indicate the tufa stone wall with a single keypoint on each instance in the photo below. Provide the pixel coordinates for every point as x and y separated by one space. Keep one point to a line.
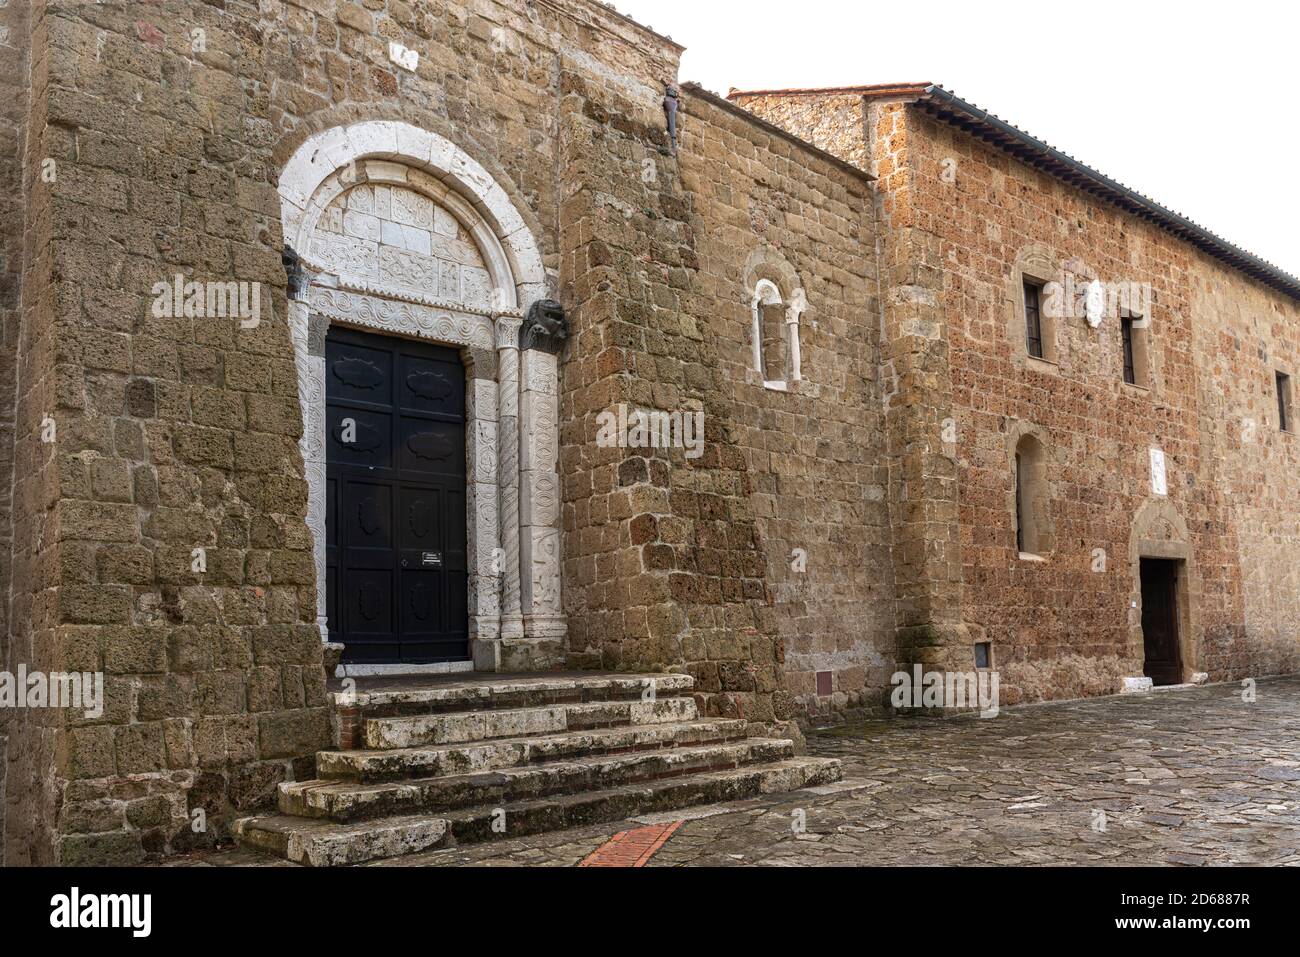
680 562
963 223
169 127
1243 335
916 383
31 800
814 456
15 42
831 121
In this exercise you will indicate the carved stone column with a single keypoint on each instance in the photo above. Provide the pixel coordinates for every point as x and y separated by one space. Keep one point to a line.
512 621
798 305
481 501
307 332
541 339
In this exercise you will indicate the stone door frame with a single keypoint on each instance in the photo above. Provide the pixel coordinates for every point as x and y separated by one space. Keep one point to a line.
1158 531
516 621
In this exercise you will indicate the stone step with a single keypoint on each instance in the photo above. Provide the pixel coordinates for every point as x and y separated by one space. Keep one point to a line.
468 758
349 801
523 692
383 734
520 819
322 843
326 844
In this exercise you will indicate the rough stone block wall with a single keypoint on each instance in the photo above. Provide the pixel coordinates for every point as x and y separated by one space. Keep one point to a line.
173 434
31 800
831 121
958 218
688 563
916 381
169 124
1061 628
15 83
815 458
1243 335
662 562
1058 628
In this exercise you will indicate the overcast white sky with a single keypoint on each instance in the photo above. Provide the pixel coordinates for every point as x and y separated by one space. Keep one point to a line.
1192 104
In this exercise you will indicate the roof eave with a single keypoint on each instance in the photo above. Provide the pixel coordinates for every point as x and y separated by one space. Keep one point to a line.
950 108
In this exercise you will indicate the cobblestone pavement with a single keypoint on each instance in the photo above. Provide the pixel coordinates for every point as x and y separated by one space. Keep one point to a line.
1184 777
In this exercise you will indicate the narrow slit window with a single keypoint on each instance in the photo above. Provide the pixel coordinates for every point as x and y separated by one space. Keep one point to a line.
1130 367
1284 401
1020 505
1033 319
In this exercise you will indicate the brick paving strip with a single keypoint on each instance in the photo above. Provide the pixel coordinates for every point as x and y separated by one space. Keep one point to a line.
631 848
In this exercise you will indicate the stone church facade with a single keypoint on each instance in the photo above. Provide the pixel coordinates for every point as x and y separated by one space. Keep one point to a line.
474 243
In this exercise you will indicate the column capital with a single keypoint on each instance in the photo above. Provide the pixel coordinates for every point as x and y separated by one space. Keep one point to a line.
798 306
296 272
507 331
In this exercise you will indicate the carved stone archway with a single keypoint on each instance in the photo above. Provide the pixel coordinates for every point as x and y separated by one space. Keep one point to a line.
392 228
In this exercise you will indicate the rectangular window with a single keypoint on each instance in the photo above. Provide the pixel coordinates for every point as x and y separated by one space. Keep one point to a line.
1126 333
1033 319
1284 401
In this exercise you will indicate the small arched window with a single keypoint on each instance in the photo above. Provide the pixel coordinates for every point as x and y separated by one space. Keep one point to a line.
1033 528
774 334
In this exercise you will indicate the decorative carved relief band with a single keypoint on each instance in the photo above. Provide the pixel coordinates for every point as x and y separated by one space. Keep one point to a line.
408 318
311 395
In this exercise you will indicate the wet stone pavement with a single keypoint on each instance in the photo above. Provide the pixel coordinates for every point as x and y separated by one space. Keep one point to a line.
1185 777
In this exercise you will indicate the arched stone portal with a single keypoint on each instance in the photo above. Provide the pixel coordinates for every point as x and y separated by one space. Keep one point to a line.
395 229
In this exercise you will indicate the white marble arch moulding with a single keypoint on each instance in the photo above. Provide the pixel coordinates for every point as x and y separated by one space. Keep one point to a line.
514 587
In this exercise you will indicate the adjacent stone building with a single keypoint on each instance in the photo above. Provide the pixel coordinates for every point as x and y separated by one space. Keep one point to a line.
321 313
971 211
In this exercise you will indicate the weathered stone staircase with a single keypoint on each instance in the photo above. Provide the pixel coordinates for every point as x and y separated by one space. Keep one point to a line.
465 761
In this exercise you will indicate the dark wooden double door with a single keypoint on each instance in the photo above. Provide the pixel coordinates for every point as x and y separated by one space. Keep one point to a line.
395 479
1164 660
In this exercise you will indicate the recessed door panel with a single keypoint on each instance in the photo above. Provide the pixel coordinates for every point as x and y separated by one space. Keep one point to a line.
356 373
359 437
428 385
396 507
368 520
431 447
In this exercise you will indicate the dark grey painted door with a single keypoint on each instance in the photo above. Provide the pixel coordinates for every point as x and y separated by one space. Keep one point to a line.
1164 664
395 481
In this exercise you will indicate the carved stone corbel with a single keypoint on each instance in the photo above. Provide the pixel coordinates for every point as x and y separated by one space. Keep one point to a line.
545 327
